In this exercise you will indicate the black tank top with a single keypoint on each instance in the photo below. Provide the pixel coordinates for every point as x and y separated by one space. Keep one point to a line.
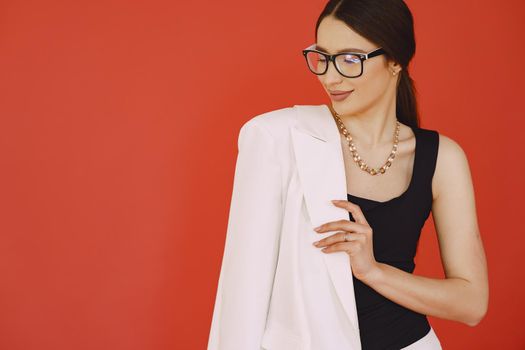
396 226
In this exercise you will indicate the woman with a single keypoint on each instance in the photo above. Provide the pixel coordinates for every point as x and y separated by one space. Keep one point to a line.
302 272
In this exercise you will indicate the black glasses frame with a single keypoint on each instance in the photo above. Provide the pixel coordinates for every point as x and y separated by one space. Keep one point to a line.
362 56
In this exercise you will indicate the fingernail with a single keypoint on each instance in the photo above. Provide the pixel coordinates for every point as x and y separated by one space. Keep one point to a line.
317 228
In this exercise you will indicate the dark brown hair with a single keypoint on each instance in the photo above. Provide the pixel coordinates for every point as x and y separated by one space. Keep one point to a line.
390 25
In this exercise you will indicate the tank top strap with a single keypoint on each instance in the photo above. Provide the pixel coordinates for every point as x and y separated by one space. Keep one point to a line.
427 151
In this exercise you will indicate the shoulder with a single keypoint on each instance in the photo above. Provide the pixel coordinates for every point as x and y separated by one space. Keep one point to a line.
274 122
451 166
269 128
448 149
277 123
450 154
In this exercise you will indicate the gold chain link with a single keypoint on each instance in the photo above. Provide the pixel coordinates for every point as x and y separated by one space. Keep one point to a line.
360 162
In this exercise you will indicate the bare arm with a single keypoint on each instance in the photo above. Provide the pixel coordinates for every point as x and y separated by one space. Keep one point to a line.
463 295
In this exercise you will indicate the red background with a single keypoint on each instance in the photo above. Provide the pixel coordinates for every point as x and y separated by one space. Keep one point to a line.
118 131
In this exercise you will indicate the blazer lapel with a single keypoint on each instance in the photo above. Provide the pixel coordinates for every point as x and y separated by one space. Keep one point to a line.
320 164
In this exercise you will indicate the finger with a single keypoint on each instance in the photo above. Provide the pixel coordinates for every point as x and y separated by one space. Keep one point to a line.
337 237
353 208
342 225
346 247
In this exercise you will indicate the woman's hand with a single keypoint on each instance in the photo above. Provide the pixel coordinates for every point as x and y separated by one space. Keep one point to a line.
359 246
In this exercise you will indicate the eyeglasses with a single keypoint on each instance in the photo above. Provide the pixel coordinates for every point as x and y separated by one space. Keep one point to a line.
348 64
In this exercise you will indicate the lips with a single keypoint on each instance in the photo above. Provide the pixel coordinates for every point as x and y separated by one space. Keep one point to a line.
338 95
339 92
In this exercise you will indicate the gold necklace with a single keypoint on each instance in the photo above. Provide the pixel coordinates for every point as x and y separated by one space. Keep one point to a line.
361 163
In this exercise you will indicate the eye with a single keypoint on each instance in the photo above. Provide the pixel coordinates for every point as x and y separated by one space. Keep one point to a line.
351 59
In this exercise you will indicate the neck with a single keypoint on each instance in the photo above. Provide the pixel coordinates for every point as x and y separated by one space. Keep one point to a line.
371 128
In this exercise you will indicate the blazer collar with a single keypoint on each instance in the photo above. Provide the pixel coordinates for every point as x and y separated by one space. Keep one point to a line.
320 164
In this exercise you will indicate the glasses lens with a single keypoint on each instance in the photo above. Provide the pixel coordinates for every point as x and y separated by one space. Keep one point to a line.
316 62
349 65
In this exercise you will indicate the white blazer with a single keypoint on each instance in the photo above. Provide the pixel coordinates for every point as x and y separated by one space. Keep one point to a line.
276 291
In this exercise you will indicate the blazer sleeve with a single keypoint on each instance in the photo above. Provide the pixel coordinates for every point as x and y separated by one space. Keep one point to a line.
251 245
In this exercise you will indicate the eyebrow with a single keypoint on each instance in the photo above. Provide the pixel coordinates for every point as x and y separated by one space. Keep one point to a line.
349 49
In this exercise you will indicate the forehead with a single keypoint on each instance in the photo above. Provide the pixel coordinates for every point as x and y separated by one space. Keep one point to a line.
334 36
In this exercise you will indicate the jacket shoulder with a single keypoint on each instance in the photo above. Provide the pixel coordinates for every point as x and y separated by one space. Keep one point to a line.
279 121
276 122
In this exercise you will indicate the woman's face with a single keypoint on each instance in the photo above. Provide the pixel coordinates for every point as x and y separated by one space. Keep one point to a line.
376 86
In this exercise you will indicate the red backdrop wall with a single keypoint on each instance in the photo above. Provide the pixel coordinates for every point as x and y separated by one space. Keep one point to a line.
118 131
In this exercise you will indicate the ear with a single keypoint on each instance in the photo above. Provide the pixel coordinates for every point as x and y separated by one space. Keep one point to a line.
394 67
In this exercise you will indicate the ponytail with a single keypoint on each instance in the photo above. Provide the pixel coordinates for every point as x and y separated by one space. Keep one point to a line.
406 103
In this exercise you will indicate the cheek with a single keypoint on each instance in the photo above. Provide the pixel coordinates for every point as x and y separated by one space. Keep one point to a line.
372 86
